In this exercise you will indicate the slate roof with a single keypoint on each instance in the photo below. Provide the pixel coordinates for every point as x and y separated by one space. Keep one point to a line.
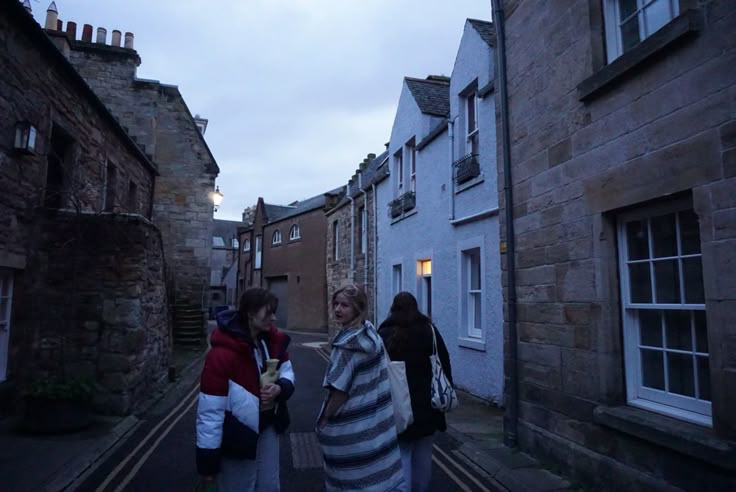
304 206
276 212
431 94
225 230
486 30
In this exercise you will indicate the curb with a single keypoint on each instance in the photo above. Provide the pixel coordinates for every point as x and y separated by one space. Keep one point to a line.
84 466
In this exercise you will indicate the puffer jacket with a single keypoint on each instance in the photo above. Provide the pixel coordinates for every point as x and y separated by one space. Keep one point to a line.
228 416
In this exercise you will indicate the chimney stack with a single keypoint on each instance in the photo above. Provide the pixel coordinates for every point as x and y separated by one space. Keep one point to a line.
115 38
71 30
59 25
87 33
52 17
129 40
27 6
101 35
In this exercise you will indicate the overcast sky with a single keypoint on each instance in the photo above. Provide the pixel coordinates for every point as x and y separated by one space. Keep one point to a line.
297 92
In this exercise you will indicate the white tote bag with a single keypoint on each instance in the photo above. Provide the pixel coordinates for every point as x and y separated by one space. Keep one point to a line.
444 397
403 415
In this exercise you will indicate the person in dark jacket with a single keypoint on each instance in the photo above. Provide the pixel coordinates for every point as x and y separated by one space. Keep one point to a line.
407 335
237 440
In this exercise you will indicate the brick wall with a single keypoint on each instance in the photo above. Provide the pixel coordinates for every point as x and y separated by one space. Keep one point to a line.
663 128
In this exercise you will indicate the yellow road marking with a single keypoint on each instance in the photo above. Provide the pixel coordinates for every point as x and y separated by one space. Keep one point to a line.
153 447
462 469
451 475
117 469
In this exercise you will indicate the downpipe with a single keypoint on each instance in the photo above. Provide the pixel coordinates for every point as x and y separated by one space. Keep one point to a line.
511 417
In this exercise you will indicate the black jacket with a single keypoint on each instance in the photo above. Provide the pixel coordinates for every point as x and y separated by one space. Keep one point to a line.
418 372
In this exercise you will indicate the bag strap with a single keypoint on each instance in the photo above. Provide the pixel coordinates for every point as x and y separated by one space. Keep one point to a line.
434 339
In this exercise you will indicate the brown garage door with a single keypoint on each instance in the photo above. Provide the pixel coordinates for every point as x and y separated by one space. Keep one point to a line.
280 287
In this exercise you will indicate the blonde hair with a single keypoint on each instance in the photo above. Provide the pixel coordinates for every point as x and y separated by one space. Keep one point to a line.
357 298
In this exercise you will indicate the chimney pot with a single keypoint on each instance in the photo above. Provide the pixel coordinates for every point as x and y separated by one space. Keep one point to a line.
115 38
71 30
101 35
87 33
129 40
27 6
52 16
371 156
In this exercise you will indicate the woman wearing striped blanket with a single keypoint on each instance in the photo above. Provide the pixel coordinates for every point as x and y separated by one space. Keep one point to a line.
356 428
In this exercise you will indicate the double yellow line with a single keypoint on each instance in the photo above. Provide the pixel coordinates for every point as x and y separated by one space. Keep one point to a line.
191 399
438 452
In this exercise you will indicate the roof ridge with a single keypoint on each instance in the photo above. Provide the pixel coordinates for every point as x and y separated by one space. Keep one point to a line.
426 81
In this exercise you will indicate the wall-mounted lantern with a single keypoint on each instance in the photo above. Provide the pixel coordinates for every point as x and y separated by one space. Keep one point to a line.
25 138
217 198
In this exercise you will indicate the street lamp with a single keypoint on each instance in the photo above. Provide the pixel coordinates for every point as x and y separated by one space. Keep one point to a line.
25 138
217 198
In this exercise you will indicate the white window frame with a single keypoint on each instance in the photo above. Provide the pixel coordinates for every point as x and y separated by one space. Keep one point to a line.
411 157
295 233
397 280
246 245
472 132
424 284
363 230
661 401
470 297
276 238
6 304
259 252
235 243
399 167
613 23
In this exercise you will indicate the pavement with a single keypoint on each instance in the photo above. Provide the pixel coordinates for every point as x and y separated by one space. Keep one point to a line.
32 463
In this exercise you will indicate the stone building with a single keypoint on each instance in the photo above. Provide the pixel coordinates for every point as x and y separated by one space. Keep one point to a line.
351 234
283 251
82 285
224 263
623 170
158 119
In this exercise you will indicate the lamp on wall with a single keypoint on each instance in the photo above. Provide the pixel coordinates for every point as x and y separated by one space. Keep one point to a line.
25 138
217 198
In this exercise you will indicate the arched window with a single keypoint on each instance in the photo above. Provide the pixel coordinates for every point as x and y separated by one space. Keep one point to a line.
294 233
276 237
246 245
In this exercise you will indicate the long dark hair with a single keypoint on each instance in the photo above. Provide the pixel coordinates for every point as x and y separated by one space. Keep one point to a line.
252 300
404 314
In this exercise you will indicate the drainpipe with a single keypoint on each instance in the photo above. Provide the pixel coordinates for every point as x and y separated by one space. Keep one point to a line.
451 135
511 418
352 232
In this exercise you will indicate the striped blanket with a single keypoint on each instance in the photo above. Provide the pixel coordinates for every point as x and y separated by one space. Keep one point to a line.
359 442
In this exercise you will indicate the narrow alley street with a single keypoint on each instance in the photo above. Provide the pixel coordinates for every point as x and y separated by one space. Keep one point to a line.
160 455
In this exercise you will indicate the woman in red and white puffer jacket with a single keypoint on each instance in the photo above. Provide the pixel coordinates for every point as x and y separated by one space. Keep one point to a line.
237 443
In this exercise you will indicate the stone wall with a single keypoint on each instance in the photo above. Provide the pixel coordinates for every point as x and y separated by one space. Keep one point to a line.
98 283
663 128
157 116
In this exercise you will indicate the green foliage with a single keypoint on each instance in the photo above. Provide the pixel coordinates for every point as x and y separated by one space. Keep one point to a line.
54 388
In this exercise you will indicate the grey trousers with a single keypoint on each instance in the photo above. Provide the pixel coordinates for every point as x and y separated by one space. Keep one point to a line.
261 474
416 460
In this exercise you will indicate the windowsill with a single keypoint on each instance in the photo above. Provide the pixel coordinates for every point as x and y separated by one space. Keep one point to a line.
470 183
689 22
683 437
472 343
403 216
295 240
276 245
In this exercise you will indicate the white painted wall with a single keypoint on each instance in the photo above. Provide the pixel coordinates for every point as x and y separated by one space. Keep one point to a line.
428 234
